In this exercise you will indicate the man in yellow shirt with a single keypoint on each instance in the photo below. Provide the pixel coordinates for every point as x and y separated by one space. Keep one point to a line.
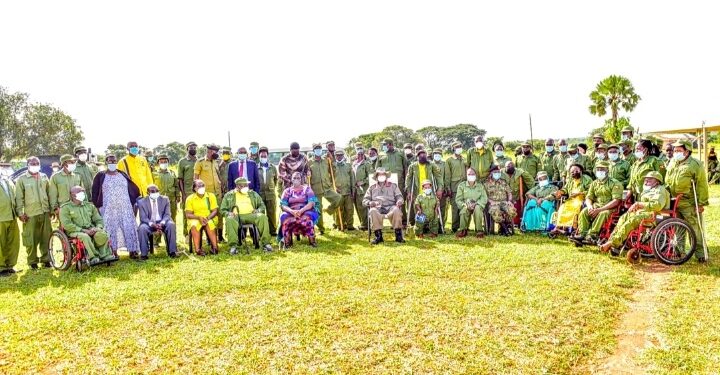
244 206
137 168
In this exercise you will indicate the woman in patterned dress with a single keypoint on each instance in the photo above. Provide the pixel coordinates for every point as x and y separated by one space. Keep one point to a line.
300 214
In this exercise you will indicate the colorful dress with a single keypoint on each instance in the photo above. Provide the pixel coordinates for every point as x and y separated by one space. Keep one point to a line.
305 224
117 213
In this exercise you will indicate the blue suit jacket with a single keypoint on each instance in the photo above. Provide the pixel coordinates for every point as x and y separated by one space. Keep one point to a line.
146 211
251 172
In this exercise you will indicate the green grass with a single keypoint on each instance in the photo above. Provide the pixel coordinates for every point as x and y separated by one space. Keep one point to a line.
519 305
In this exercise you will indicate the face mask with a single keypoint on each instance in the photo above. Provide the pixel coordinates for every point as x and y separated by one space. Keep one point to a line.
296 181
226 157
437 157
244 189
134 150
385 148
639 154
192 152
56 169
373 158
510 170
479 144
214 156
317 152
499 153
600 156
201 191
381 179
471 178
360 151
428 191
625 137
646 187
340 162
526 152
613 155
678 156
163 166
576 175
422 159
151 159
253 150
82 157
549 148
622 149
601 175
5 172
263 160
80 196
154 196
576 155
112 167
496 175
563 148
408 152
543 183
458 151
34 169
242 157
71 167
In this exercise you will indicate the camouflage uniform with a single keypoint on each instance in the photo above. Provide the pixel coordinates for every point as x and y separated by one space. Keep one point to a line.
499 195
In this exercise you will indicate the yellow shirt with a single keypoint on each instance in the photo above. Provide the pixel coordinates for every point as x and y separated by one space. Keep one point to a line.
138 169
208 171
243 203
199 205
422 174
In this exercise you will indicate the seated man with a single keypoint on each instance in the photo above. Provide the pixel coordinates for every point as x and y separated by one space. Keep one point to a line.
472 199
426 208
653 199
500 201
82 220
244 206
155 217
540 204
384 200
603 196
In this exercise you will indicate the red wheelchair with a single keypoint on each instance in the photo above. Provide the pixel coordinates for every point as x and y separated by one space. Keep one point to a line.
66 251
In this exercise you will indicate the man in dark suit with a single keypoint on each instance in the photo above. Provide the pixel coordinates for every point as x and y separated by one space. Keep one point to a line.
243 168
155 216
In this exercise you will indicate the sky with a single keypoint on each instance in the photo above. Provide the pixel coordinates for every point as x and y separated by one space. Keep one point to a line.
312 71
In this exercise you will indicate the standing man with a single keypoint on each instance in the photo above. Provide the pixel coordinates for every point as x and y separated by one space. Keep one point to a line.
9 230
560 161
167 183
362 169
254 152
321 184
455 175
344 184
408 152
291 163
373 156
528 161
520 183
61 183
268 180
150 157
626 134
185 171
245 168
418 172
207 169
86 171
547 159
136 167
500 157
225 160
684 171
440 163
394 162
479 158
619 167
32 204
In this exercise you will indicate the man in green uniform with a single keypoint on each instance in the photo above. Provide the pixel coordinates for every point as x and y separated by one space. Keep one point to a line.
321 184
479 158
408 152
426 208
577 158
32 206
373 157
80 219
626 133
598 139
394 162
185 171
254 151
344 184
560 162
528 161
547 159
500 157
150 157
167 183
520 183
644 163
500 203
626 147
244 206
440 163
61 183
653 199
600 154
619 167
268 178
472 199
9 230
455 174
362 169
85 170
419 171
684 171
602 198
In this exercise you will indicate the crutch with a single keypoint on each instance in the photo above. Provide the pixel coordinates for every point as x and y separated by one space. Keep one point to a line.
410 229
700 222
438 210
339 210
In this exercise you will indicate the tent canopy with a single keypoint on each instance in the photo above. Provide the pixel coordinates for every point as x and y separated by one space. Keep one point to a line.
700 131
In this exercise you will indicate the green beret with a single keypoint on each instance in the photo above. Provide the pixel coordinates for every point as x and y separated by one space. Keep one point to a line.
626 129
682 143
241 181
66 157
187 145
79 149
655 175
602 164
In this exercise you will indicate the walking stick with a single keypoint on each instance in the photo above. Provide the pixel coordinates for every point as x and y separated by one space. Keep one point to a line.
700 222
438 209
339 211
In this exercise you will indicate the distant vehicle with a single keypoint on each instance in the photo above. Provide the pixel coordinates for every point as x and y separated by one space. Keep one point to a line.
45 166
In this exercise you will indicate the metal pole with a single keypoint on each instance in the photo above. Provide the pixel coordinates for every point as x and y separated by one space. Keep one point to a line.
531 132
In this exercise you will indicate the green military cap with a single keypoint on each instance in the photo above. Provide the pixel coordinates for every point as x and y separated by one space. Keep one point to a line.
163 156
408 145
149 153
598 135
359 145
572 147
340 152
526 143
316 145
373 148
388 140
437 151
100 238
627 128
602 146
187 145
426 182
241 181
226 150
614 145
682 143
66 157
602 164
500 145
456 145
79 149
330 142
263 148
541 174
254 144
213 147
419 146
656 175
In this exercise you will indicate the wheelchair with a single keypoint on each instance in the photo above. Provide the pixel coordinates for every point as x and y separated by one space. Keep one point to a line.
612 220
554 229
66 251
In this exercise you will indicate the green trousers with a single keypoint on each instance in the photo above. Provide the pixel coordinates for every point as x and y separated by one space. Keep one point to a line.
626 224
9 244
589 226
431 224
361 210
36 234
333 198
271 209
443 211
92 250
686 211
346 208
478 216
454 208
259 220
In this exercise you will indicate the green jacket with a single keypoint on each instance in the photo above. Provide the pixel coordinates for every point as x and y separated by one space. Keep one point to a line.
433 173
480 160
59 189
32 195
443 171
656 199
547 164
394 162
7 200
680 175
269 183
530 163
76 217
519 177
466 193
427 203
320 179
167 183
87 173
362 172
456 170
546 192
185 173
502 160
639 170
228 202
560 163
344 178
602 192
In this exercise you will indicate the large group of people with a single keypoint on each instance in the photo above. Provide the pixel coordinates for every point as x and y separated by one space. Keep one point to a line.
133 201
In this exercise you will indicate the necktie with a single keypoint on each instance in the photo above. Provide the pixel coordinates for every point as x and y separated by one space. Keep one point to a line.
155 215
241 169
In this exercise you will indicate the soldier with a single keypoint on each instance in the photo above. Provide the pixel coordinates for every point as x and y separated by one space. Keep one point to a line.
223 166
500 157
85 170
268 180
321 184
653 199
426 208
408 152
619 167
373 157
528 161
136 167
345 186
80 219
362 169
560 163
645 162
666 156
330 155
626 133
185 171
61 183
32 206
547 160
150 157
167 183
575 158
626 147
384 200
243 205
479 158
419 171
598 139
684 171
520 182
207 169
254 150
9 230
440 163
472 199
394 162
500 201
603 196
454 176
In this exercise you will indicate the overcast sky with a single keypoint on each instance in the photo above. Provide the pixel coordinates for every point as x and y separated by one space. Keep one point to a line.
272 71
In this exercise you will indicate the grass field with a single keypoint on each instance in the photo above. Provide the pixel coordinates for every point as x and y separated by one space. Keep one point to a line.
513 305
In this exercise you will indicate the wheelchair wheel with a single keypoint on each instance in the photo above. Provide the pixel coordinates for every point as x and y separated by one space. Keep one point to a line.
633 256
61 253
673 241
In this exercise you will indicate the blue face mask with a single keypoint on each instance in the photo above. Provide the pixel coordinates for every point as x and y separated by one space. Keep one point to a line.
263 160
549 148
253 150
242 157
385 148
496 175
499 153
317 152
134 150
563 148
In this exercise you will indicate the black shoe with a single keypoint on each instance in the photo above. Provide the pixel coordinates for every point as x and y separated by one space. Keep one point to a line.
133 255
322 232
378 238
34 266
577 237
173 255
590 240
350 228
273 234
5 273
144 257
363 228
702 260
11 270
399 236
47 265
614 252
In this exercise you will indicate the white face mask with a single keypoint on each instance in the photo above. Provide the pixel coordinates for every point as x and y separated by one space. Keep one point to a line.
479 144
600 156
201 191
408 152
543 183
646 187
245 190
6 172
576 155
549 148
428 191
56 169
613 156
679 156
601 175
471 178
496 175
71 167
263 160
625 137
458 151
163 166
80 196
385 148
373 158
112 167
154 196
437 157
82 157
639 154
34 169
499 153
563 148
382 179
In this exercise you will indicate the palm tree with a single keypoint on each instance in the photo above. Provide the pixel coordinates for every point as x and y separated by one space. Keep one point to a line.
613 92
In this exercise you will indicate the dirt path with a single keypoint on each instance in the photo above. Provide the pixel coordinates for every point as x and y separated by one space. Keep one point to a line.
636 331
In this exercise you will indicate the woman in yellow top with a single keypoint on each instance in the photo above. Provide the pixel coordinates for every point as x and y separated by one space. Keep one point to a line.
201 211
